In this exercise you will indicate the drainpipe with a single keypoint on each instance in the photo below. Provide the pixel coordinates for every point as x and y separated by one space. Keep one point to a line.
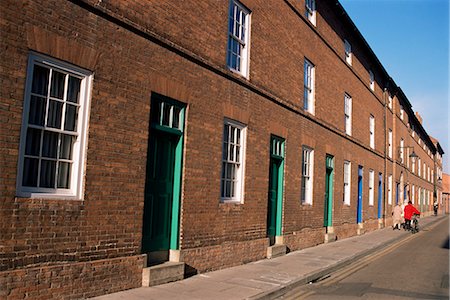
383 220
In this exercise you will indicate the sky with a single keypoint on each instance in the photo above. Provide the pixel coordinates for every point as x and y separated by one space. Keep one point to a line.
411 40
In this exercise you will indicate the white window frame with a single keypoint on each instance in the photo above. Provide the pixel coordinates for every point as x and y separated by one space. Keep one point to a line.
419 167
348 113
390 189
390 143
402 112
390 102
238 32
233 141
79 133
413 193
308 84
307 175
371 187
372 80
372 131
424 173
347 182
413 165
348 52
310 8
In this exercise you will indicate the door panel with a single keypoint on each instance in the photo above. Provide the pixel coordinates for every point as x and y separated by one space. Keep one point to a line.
158 192
273 194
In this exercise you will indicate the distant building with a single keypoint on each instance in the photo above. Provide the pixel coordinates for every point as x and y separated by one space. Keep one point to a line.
207 134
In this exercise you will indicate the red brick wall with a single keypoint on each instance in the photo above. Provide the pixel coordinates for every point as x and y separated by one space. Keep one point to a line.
72 280
135 48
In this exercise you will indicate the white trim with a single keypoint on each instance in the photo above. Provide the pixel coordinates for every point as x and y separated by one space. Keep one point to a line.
371 187
244 44
238 187
76 190
348 114
348 182
348 52
307 184
372 131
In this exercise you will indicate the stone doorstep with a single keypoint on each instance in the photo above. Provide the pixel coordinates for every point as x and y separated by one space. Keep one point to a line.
330 237
163 273
276 250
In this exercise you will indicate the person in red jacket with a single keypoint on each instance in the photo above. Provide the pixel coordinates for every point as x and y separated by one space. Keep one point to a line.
409 211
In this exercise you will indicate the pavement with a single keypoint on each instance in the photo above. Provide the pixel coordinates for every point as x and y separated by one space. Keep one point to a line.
272 278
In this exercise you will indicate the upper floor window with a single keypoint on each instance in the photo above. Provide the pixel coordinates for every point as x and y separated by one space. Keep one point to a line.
372 80
309 74
390 101
390 143
402 151
402 112
238 38
372 131
232 179
348 52
348 114
310 6
347 181
307 175
54 129
418 167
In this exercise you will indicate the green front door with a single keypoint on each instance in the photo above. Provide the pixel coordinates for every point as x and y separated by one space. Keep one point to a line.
160 230
273 197
328 205
159 192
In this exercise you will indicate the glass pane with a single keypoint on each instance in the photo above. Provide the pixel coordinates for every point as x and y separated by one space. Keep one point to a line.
40 80
67 142
57 87
73 92
33 144
224 170
227 188
48 169
232 193
176 117
237 154
36 115
166 115
71 117
225 151
50 144
64 175
229 169
225 133
30 172
231 152
54 114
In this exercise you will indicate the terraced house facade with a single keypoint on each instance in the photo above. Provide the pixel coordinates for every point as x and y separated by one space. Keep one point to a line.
197 135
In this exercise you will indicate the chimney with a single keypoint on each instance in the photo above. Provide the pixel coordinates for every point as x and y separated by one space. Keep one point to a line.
419 117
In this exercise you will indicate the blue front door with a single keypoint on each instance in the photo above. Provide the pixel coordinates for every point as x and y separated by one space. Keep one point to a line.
360 190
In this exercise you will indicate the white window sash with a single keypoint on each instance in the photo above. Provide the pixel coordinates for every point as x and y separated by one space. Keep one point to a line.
79 132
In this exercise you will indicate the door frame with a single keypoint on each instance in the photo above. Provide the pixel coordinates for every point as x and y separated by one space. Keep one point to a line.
277 153
359 217
157 124
328 203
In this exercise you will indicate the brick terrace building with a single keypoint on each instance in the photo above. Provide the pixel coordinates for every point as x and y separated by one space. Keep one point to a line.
210 133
